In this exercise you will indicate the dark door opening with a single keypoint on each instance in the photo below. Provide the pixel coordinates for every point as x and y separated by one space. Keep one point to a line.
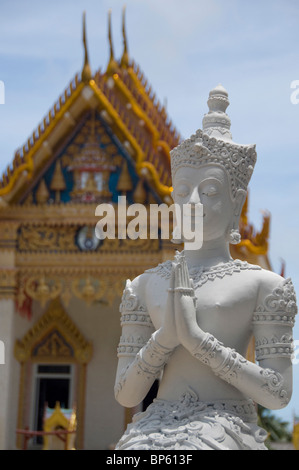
53 384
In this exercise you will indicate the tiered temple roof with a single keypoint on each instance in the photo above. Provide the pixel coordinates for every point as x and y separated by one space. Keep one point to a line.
121 107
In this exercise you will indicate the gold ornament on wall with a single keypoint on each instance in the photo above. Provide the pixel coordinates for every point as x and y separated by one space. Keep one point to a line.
58 182
42 194
140 193
41 238
42 289
124 184
88 288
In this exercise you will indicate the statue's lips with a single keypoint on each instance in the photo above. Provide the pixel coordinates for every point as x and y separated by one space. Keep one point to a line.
193 215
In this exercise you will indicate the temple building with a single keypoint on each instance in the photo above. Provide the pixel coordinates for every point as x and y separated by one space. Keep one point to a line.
107 135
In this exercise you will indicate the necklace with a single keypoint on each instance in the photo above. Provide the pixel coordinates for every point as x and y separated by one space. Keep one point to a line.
200 275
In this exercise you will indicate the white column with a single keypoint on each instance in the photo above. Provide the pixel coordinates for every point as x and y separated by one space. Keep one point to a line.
7 313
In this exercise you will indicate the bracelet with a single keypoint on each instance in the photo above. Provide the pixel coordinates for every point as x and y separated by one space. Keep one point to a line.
183 290
210 350
228 369
152 358
206 350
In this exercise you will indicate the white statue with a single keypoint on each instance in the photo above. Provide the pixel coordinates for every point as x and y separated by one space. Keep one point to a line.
188 322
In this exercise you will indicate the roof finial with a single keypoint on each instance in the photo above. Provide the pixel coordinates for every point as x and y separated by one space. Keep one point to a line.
112 66
86 71
110 36
125 57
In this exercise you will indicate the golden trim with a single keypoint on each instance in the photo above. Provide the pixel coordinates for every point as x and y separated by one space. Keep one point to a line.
157 142
140 87
136 108
82 372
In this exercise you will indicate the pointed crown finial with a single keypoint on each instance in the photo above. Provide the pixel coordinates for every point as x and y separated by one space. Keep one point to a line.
86 71
216 122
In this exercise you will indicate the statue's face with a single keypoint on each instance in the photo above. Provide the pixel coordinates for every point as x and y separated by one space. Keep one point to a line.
208 186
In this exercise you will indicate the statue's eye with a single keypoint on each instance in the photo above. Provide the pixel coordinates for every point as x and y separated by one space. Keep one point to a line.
210 191
183 190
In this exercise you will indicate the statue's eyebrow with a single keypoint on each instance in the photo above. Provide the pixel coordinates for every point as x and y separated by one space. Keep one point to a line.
182 180
211 179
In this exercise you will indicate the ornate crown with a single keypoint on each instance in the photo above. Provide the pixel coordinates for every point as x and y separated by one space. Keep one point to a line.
214 145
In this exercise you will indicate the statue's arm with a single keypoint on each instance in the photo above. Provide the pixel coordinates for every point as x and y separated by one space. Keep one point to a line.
273 322
268 383
141 358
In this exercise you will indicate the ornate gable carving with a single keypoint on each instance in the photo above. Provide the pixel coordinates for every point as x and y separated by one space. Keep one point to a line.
52 347
54 337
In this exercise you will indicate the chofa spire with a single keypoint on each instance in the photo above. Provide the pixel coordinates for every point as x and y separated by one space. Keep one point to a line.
125 57
86 71
112 65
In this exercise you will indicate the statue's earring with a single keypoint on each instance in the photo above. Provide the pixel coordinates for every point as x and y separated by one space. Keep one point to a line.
234 237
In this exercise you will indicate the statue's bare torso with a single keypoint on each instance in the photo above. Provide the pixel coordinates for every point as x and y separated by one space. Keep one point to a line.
225 308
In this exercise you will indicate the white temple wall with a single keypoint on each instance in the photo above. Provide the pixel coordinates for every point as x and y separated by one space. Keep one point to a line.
104 417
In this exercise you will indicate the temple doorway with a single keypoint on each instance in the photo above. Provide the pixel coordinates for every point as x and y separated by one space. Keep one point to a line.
53 383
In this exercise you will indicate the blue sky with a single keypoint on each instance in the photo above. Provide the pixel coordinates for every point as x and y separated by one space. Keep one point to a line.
185 48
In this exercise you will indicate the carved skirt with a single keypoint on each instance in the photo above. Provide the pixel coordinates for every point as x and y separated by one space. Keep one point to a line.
189 424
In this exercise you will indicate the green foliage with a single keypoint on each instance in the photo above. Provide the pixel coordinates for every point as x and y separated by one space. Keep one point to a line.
278 430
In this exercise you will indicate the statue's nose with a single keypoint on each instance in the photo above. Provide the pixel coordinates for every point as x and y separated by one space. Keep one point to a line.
195 197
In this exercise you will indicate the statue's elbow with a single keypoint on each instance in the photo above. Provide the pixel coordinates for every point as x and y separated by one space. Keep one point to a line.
118 395
123 399
279 401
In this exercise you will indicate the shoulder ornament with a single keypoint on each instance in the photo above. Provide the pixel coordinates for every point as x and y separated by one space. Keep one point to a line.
132 310
279 307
